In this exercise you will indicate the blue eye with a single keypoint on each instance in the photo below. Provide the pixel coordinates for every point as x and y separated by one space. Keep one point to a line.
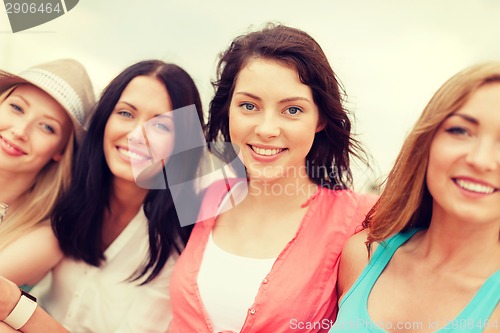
48 128
162 127
125 114
293 110
456 130
248 106
16 107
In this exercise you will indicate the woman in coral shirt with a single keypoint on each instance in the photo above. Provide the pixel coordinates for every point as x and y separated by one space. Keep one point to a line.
265 256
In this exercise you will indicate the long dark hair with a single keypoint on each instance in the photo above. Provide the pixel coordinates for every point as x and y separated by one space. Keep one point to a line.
327 162
78 217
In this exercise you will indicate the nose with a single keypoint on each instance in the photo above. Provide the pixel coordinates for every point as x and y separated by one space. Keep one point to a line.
137 135
268 125
20 131
484 155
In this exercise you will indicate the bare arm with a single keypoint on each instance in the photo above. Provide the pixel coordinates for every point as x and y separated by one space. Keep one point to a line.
493 325
35 254
40 321
353 260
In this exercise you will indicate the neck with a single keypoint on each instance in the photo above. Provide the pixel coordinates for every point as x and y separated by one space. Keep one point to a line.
459 245
126 197
13 186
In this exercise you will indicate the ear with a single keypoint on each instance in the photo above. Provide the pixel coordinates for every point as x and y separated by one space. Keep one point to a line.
321 126
58 156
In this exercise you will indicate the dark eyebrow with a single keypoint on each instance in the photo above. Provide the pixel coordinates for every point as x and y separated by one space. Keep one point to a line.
166 115
131 105
162 115
465 117
292 99
249 95
285 100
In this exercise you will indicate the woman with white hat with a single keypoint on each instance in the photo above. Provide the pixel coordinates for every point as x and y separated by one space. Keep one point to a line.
43 111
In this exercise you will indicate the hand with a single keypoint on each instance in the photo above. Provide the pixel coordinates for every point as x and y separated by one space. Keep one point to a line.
4 328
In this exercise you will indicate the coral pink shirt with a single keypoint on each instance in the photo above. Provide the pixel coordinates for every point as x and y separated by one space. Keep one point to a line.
299 293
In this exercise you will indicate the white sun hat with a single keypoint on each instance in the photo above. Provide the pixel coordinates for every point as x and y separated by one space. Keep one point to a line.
65 80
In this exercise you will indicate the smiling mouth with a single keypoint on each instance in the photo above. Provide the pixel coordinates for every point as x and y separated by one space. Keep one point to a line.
12 147
474 187
267 152
132 155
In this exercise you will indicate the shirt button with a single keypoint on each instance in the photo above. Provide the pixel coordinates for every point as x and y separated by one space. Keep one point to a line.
265 281
252 311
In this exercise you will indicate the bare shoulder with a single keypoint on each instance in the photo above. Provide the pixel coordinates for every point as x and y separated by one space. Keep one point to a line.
353 260
41 235
31 256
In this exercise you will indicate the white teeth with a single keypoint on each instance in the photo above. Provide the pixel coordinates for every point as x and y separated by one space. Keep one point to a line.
132 155
266 152
474 187
9 146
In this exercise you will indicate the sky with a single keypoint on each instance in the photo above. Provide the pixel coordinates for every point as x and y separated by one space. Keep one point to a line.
390 55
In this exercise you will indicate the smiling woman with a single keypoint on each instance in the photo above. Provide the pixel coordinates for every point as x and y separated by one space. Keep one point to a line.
42 111
435 231
271 261
145 98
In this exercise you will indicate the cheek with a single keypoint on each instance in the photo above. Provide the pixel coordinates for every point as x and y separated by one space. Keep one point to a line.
49 148
161 146
304 134
437 167
236 126
107 141
5 120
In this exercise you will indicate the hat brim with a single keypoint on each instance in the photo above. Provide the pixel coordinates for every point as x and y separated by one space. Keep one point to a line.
9 80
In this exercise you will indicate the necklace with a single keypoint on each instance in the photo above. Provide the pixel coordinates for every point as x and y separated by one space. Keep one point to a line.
3 211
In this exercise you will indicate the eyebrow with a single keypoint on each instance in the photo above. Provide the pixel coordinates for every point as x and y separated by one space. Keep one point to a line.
465 117
54 119
162 115
44 115
165 115
21 98
124 102
285 100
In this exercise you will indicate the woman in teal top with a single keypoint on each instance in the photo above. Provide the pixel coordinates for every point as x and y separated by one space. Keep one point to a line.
440 270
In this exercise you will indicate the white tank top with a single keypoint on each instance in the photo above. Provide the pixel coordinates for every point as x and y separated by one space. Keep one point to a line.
228 284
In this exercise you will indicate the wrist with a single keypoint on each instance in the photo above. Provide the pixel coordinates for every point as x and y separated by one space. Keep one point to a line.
10 296
22 312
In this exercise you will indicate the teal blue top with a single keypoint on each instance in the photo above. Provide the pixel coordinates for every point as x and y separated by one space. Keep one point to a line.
353 314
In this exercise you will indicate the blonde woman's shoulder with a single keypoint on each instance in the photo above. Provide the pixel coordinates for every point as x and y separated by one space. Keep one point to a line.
29 258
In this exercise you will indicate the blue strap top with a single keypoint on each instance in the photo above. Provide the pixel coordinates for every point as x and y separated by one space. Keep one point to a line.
353 314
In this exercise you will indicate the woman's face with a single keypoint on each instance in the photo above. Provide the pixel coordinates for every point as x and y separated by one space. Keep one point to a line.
272 119
140 131
463 174
34 130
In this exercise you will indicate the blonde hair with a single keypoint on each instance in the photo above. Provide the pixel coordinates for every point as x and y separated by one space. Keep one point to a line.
406 202
36 204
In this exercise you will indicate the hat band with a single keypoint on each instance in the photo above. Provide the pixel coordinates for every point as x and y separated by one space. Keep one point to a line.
59 89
